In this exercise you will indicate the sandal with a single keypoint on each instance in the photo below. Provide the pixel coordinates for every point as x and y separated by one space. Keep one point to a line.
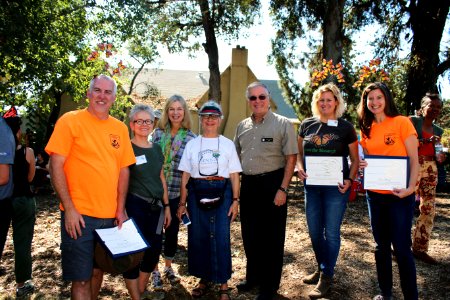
224 292
200 289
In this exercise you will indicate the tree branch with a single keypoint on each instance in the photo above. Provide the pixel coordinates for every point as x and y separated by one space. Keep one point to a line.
443 66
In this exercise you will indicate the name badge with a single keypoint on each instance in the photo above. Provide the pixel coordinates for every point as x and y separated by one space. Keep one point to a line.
267 140
141 160
333 123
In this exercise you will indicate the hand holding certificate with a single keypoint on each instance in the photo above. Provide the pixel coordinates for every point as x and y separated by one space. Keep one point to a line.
120 242
324 170
386 173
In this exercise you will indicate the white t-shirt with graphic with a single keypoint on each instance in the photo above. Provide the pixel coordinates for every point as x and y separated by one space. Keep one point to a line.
205 157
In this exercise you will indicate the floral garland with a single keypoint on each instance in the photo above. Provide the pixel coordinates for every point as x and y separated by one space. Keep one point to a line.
328 70
109 51
371 73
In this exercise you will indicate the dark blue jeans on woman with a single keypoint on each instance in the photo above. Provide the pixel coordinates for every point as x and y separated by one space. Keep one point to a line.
391 221
325 208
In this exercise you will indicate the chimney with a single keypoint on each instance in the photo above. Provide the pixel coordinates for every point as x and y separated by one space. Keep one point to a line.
239 57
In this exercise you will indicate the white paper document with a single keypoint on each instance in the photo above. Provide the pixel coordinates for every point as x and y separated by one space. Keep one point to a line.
386 173
324 170
124 241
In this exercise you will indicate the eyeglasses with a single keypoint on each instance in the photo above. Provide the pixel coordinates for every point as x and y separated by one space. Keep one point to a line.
210 117
260 97
142 122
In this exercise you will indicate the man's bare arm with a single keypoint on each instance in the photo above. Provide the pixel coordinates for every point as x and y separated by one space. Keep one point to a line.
73 218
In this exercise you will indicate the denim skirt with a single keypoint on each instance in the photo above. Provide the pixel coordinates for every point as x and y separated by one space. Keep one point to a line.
209 249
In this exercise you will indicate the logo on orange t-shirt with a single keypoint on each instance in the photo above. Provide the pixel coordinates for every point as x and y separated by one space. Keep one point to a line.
389 139
115 140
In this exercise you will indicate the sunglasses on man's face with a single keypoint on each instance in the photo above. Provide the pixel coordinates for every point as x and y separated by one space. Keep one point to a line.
260 97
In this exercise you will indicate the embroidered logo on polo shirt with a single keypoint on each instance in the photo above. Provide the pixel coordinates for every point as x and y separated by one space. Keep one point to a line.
115 140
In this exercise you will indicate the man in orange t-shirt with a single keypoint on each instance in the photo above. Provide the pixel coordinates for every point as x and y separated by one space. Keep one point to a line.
90 152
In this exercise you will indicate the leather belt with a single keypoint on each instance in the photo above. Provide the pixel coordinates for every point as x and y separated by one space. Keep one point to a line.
209 178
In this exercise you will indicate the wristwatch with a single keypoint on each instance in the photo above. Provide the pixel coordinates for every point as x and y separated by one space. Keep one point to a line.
282 189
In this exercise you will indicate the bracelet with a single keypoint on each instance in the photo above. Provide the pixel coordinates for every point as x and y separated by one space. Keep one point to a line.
236 199
166 204
181 204
283 189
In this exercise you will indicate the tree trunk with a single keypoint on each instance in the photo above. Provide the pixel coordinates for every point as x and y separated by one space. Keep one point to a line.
427 22
53 115
333 30
212 50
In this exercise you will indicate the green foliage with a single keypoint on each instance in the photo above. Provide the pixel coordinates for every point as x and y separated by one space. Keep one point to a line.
178 24
299 21
37 39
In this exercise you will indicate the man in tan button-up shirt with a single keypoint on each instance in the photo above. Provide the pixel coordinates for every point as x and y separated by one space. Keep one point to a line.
267 146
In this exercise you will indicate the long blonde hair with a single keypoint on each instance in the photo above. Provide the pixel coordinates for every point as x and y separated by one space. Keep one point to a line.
187 121
329 87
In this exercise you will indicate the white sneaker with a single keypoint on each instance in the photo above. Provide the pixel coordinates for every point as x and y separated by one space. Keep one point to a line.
156 281
170 274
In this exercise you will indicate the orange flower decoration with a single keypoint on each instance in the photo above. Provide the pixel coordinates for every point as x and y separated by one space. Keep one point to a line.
328 69
107 48
371 73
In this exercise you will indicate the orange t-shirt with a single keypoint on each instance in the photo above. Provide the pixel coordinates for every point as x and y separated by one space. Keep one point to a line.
95 151
388 138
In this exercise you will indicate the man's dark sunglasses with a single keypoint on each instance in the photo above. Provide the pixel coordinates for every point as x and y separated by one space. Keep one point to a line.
260 97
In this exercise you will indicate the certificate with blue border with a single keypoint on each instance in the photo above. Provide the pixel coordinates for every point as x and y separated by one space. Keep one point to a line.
324 170
386 172
123 241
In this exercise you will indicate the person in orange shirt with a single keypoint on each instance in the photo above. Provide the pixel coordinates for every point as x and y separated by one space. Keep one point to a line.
385 132
90 152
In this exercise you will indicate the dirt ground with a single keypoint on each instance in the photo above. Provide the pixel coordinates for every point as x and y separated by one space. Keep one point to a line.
355 276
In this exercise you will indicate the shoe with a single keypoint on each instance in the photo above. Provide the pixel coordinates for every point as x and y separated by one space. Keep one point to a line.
423 256
26 289
322 287
312 278
224 293
245 286
170 275
381 297
201 289
156 281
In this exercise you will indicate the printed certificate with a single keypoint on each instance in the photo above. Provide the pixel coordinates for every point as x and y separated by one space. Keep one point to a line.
386 172
324 170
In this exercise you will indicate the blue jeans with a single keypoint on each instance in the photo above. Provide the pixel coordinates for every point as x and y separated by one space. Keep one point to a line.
391 221
325 208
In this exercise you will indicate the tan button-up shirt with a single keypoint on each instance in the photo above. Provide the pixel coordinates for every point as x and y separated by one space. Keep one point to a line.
262 147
